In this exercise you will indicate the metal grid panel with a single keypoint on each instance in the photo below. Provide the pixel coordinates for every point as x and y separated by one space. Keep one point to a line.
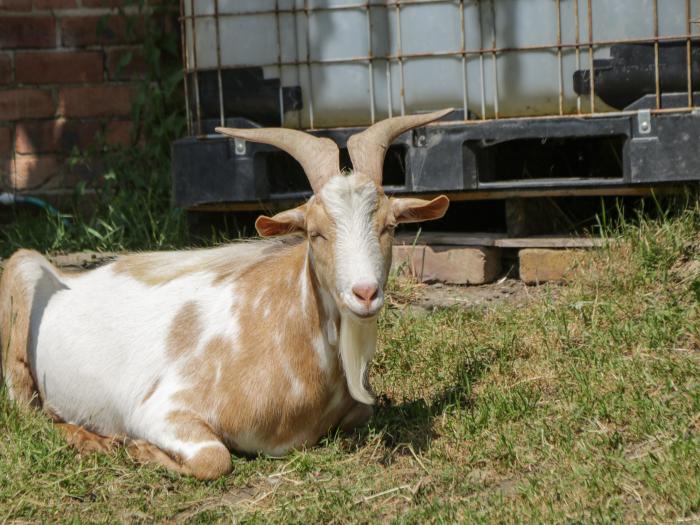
569 40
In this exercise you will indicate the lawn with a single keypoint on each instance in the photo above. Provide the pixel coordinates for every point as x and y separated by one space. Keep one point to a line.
581 404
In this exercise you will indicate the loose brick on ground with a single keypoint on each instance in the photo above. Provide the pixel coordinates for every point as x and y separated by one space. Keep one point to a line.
27 31
542 265
45 67
449 264
18 104
95 101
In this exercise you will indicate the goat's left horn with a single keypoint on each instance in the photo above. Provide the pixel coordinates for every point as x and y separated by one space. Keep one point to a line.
319 157
368 148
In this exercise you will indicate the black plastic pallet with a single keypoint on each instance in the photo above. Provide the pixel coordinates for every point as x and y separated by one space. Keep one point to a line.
599 153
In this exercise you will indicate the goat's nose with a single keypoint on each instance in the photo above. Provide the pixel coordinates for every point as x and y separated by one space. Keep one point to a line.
365 293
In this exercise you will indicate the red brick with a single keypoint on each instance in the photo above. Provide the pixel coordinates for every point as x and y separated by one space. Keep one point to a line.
448 264
6 171
92 172
135 68
54 4
103 3
81 31
45 67
95 101
27 31
538 265
36 171
19 104
118 133
5 68
5 142
15 5
55 136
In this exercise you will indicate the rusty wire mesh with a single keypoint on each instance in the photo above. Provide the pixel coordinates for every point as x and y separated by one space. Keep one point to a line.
580 42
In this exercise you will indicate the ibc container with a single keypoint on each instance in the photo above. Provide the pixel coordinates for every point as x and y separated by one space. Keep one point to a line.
334 63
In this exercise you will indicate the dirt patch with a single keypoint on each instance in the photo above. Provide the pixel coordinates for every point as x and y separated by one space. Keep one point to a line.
425 298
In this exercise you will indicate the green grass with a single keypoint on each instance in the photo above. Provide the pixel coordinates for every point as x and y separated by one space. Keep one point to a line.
583 405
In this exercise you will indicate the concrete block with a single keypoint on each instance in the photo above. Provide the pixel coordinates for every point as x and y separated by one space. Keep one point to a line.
448 264
539 265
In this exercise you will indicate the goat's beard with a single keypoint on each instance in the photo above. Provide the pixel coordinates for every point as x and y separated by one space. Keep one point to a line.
357 342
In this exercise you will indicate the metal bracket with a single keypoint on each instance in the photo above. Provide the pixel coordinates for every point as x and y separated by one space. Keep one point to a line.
644 122
239 146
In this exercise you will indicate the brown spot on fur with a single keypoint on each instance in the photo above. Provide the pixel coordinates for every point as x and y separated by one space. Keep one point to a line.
151 390
190 427
86 442
144 452
15 312
184 331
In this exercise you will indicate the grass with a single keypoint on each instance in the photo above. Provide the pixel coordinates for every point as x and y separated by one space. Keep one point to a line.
583 405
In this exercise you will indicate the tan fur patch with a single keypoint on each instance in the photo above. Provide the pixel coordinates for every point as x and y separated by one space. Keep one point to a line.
151 390
185 329
255 393
86 442
157 268
383 218
15 312
144 452
210 462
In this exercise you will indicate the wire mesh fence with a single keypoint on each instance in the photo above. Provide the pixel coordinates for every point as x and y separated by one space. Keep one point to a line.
331 63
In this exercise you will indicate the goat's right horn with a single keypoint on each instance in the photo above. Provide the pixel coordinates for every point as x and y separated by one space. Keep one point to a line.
368 148
319 157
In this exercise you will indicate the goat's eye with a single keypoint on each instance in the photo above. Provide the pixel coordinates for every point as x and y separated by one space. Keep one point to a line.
389 228
316 235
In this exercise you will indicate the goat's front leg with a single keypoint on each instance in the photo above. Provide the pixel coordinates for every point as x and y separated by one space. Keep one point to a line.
358 416
183 442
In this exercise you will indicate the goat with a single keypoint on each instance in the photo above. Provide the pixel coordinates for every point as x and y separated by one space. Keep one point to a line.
256 347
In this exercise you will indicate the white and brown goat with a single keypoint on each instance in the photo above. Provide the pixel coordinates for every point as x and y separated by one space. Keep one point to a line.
255 347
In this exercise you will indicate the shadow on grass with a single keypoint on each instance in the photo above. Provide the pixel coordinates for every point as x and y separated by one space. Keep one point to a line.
411 422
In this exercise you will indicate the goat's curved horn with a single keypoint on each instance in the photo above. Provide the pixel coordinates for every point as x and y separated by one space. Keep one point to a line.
368 148
319 157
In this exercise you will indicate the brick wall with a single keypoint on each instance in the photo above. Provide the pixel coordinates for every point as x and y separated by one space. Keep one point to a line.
61 87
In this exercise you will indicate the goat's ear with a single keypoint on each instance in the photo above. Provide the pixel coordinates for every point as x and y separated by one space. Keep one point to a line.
290 221
417 210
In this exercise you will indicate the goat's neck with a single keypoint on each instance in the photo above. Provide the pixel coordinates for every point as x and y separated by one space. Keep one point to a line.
353 340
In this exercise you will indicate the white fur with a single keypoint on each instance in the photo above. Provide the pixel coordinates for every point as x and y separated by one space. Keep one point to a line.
357 342
351 202
99 339
91 362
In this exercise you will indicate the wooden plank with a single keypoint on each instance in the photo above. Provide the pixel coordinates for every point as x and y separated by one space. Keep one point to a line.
449 238
474 195
498 240
551 242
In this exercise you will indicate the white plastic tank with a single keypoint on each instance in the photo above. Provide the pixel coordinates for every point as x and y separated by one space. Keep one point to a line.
356 64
